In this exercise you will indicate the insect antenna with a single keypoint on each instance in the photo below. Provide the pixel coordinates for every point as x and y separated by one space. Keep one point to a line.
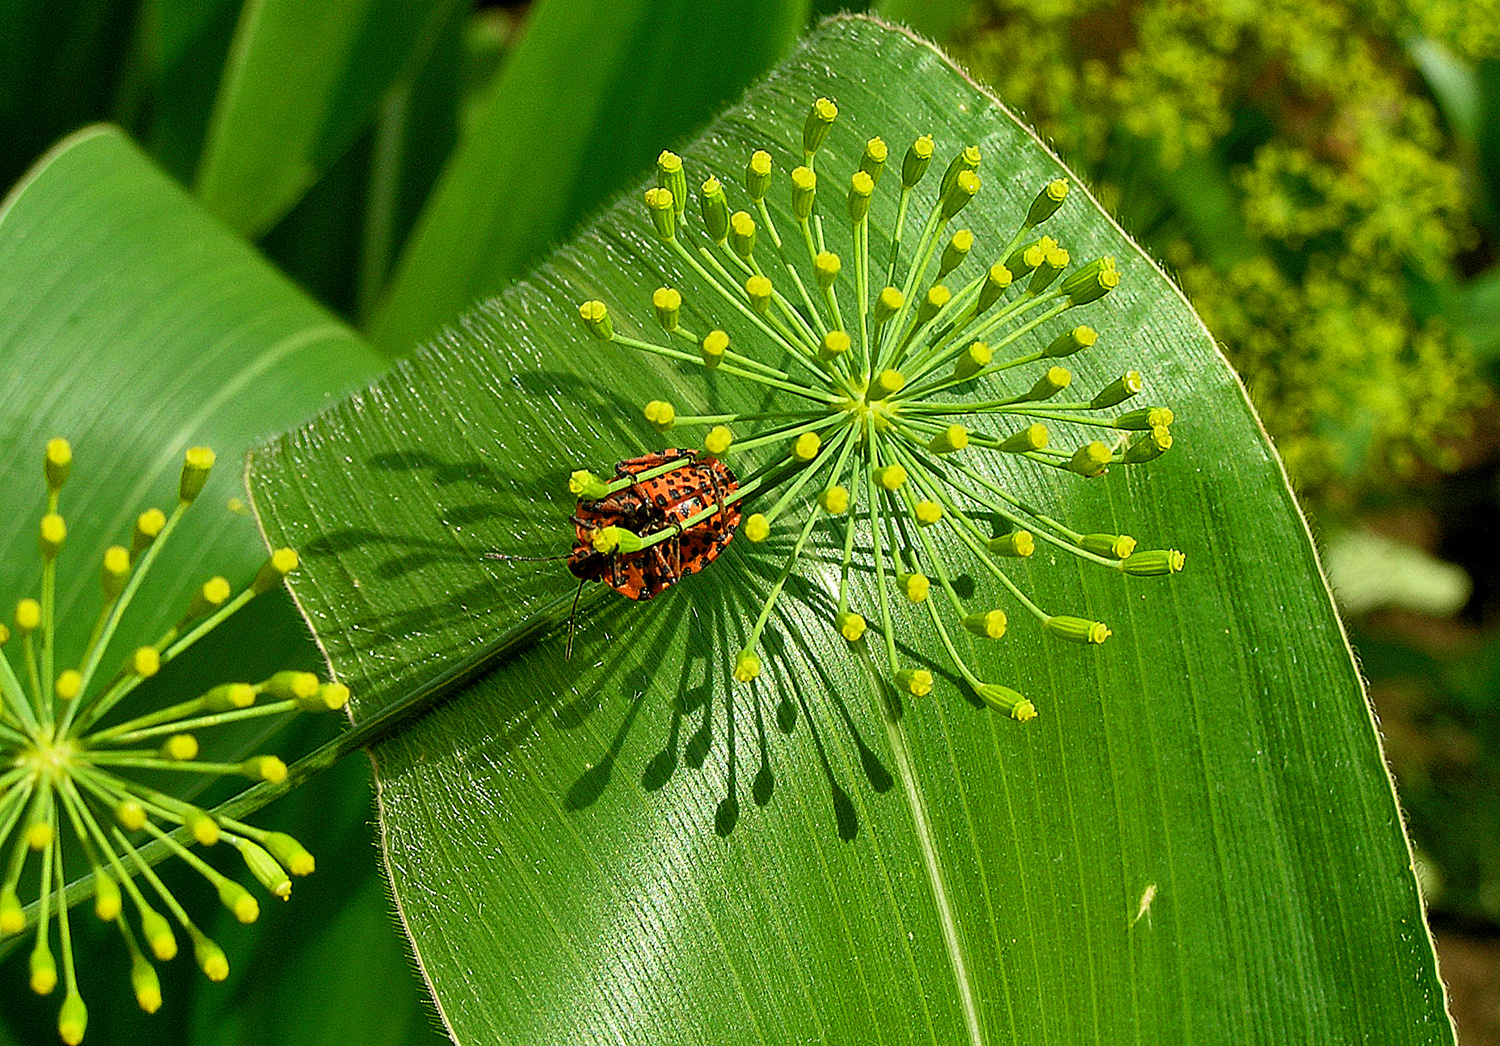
573 613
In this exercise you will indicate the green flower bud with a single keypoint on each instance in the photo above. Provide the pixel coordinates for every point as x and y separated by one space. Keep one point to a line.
290 853
1111 546
1032 437
746 666
806 446
989 625
972 360
1077 630
914 586
851 625
915 681
671 177
757 527
964 188
266 768
758 175
861 188
146 984
43 969
713 346
742 234
196 463
1028 256
833 345
12 915
1091 282
1157 562
57 463
966 160
267 871
144 662
148 525
873 160
1018 544
662 206
211 595
952 438
758 291
718 440
237 900
815 128
291 685
1047 202
995 283
274 570
28 616
585 484
595 318
616 539
826 268
804 189
1118 391
107 902
937 296
834 500
331 697
1069 342
52 532
1050 384
715 208
958 248
227 697
661 414
158 934
210 958
1053 263
1090 459
72 1019
918 156
1145 418
1148 448
668 305
1004 699
115 572
887 383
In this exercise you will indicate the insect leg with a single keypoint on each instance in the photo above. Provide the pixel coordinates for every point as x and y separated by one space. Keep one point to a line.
572 617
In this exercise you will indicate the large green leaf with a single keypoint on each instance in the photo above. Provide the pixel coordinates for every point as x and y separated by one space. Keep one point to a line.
1195 842
589 96
135 325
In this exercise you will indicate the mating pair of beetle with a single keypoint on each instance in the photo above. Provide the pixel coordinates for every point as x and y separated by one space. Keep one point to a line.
666 490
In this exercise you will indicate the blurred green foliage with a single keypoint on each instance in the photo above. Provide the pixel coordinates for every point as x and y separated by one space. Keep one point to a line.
1290 163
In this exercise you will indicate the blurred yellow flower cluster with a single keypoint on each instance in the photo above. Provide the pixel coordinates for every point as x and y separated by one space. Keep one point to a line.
1286 161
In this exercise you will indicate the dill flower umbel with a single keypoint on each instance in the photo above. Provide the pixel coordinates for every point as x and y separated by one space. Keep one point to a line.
890 362
70 803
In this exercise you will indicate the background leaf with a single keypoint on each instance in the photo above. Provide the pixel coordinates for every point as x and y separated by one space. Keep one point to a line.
593 91
935 18
1197 841
303 78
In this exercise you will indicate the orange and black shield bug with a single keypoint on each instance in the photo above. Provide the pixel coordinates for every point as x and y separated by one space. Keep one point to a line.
648 506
